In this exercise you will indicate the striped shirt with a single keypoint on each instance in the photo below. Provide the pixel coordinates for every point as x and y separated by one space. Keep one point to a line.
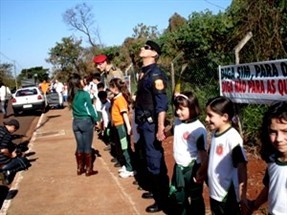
5 143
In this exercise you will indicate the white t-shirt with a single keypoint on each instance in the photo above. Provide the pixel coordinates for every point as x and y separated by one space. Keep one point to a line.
59 87
5 93
276 180
185 140
106 115
93 90
221 171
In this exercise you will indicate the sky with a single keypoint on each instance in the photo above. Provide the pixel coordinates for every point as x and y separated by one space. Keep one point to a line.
30 28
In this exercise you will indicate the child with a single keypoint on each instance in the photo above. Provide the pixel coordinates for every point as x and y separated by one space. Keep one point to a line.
84 120
227 172
120 119
101 86
274 153
190 154
106 116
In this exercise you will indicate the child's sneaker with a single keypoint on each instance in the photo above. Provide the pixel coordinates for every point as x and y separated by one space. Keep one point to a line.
122 169
126 174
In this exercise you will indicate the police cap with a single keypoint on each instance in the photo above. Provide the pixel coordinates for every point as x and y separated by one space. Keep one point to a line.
154 46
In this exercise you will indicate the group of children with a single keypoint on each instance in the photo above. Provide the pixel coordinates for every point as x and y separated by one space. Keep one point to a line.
224 167
112 103
222 164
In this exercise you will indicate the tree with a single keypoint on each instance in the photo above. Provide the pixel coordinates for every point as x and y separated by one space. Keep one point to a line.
37 74
6 74
175 22
266 19
142 31
67 56
81 18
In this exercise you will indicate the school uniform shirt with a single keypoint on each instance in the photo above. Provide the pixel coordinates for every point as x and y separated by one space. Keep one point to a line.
106 115
188 139
226 151
276 180
93 90
119 106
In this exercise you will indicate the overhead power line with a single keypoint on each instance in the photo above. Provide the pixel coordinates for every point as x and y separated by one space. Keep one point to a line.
14 61
215 5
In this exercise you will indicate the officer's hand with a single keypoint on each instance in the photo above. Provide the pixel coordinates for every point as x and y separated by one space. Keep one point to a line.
160 136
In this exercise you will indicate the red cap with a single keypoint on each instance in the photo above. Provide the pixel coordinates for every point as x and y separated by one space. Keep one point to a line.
100 58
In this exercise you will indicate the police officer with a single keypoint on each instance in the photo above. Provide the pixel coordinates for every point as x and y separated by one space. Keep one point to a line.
150 111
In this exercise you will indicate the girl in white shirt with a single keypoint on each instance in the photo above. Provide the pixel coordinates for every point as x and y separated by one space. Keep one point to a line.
227 171
190 154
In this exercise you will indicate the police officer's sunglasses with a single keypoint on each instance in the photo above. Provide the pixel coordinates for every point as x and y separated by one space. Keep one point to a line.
147 47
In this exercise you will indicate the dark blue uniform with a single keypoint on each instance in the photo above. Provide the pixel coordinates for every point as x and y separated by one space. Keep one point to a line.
151 99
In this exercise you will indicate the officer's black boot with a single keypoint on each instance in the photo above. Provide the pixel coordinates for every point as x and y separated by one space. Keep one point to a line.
160 194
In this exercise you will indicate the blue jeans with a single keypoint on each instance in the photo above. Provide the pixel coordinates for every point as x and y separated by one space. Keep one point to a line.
84 132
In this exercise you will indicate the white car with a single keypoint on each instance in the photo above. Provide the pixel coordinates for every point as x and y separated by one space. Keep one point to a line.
28 99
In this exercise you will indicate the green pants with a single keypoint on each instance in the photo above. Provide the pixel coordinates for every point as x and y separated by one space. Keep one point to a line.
125 146
186 195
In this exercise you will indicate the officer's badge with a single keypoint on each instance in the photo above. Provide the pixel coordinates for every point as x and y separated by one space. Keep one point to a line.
159 84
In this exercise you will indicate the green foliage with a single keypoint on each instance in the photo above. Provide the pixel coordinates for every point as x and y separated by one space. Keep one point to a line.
251 116
67 55
267 22
146 32
6 77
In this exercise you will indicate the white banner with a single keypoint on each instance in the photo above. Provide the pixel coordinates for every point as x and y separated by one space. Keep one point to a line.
258 83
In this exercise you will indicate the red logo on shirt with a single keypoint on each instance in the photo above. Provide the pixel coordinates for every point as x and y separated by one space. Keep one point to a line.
185 135
219 149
